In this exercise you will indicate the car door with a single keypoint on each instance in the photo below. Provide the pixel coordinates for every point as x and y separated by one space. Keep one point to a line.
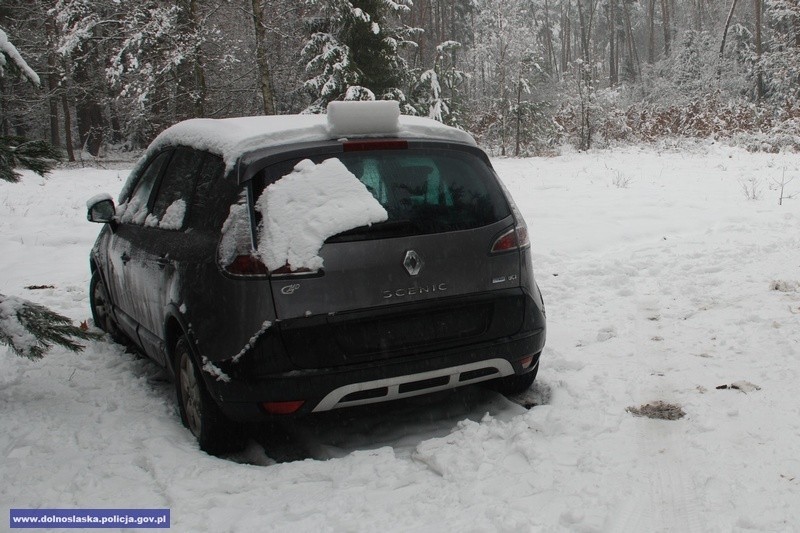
168 247
124 246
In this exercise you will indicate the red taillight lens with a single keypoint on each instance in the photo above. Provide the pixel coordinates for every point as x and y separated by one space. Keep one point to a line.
525 362
505 242
378 144
513 239
247 265
282 408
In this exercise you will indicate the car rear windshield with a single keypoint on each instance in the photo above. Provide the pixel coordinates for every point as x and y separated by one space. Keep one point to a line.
424 191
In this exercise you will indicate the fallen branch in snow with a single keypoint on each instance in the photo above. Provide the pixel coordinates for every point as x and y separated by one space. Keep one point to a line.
30 329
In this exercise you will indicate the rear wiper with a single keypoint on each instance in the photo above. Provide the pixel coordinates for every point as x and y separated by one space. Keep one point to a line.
390 228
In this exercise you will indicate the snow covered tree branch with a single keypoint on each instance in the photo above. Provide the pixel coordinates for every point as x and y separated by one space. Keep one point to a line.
37 156
30 329
11 60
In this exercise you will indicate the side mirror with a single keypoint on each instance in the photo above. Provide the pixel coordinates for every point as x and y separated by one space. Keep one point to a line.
101 209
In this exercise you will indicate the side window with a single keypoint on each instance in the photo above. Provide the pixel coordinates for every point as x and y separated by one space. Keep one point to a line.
213 195
135 209
175 191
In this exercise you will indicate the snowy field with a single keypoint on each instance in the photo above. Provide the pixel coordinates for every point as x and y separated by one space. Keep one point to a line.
662 280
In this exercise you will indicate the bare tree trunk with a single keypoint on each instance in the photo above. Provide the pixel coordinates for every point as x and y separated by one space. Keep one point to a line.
551 54
585 78
191 80
613 72
651 33
4 123
724 38
584 33
67 127
519 117
52 82
698 15
665 20
264 77
759 72
566 36
634 70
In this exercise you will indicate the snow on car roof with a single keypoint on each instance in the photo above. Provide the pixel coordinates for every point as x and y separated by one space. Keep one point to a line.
232 137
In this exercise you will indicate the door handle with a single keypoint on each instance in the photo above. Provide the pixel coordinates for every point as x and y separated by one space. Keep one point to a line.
125 258
162 262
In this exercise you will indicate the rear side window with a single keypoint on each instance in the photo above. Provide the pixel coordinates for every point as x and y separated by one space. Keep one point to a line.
424 191
175 190
212 195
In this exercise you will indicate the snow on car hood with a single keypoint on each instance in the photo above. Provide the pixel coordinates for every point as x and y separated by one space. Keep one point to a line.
305 207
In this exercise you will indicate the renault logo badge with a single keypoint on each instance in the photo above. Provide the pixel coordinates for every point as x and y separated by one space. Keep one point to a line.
412 262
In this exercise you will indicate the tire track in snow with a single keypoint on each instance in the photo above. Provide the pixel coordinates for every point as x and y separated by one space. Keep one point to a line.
668 500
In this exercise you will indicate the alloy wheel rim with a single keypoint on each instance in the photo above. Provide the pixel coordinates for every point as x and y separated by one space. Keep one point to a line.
100 307
190 394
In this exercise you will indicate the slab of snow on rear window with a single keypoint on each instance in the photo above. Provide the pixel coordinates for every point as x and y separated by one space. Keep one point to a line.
302 209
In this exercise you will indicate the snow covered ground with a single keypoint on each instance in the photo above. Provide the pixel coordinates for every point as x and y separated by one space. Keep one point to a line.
662 282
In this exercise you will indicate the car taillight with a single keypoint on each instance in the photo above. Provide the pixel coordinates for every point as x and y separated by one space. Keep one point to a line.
246 265
513 239
282 408
378 144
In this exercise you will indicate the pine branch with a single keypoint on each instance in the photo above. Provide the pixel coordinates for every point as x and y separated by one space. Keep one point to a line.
30 329
38 156
7 172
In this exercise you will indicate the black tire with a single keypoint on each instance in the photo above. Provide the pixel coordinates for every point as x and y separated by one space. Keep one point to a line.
515 384
100 304
214 432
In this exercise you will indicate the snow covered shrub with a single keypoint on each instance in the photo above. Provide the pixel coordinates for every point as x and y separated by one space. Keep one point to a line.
751 187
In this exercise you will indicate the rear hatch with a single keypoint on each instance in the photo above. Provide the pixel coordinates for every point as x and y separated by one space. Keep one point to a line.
427 278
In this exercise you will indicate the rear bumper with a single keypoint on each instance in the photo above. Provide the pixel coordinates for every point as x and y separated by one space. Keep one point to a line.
379 381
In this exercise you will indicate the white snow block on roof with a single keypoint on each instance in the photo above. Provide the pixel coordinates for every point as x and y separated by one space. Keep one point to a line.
347 119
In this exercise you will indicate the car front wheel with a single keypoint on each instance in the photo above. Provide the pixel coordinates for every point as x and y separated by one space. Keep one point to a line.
101 309
213 431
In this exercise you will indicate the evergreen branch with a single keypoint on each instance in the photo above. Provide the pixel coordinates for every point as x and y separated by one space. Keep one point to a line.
38 156
30 329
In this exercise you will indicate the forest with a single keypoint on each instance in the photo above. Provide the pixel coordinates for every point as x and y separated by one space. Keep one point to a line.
524 76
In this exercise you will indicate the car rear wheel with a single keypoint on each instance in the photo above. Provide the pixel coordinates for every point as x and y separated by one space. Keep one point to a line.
212 429
515 384
101 309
